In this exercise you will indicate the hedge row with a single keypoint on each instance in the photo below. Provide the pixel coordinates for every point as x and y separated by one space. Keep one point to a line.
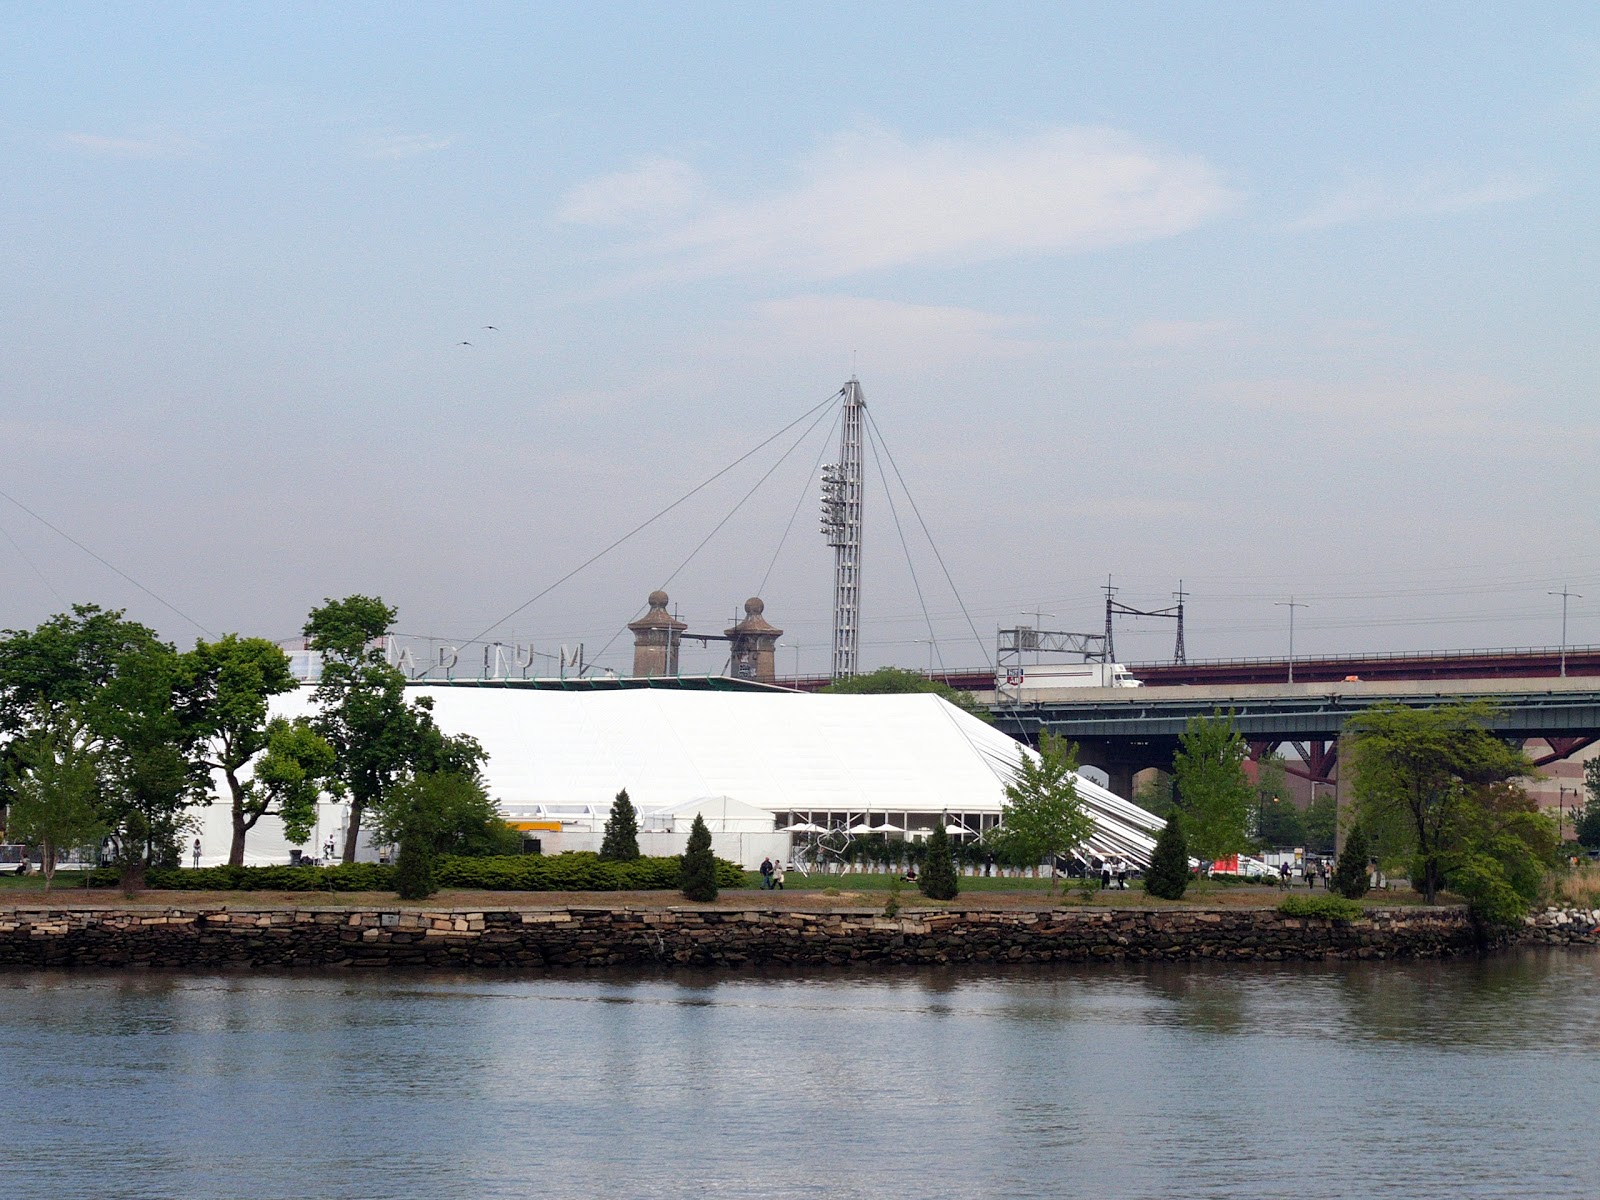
573 872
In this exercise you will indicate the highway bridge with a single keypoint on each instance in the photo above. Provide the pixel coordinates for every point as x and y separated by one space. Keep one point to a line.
1123 730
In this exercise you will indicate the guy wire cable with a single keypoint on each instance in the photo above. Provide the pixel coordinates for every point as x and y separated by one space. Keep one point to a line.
643 525
888 453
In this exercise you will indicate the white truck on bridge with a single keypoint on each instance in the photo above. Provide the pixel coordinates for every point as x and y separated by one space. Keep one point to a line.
1067 675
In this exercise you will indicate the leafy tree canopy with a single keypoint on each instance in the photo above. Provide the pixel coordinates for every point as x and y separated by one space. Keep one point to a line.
899 681
380 738
1212 792
55 793
1427 784
1043 815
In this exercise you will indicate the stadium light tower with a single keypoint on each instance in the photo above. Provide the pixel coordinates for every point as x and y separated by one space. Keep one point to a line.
841 525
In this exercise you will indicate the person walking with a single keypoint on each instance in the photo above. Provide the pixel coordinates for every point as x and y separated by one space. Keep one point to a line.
1105 874
777 876
766 873
197 852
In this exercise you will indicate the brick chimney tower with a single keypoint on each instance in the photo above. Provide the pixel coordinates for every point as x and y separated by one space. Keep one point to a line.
655 640
753 642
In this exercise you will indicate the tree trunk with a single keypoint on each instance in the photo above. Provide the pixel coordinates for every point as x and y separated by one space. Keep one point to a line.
47 863
236 847
358 805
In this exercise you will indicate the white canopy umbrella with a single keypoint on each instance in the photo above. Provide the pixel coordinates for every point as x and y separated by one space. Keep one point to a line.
803 827
953 830
887 827
861 827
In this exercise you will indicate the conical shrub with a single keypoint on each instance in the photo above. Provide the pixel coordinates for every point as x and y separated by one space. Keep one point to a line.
938 878
1350 878
699 864
1168 876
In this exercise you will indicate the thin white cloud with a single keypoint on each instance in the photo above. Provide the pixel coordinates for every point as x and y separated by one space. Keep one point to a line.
1378 200
407 145
883 330
1177 335
656 188
871 200
1486 416
160 145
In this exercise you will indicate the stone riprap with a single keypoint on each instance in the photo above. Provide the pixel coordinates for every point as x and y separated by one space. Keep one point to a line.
1562 927
582 937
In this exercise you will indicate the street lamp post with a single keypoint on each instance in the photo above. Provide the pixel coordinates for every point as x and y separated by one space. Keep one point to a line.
1291 604
1566 594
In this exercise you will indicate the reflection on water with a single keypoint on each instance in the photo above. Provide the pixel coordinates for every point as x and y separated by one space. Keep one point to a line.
1464 1078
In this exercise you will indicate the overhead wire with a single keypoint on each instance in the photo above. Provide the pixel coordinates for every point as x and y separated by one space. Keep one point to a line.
888 495
23 554
717 528
800 503
110 567
932 545
643 525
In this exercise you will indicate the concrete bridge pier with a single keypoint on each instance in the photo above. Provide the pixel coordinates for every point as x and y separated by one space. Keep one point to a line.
1121 760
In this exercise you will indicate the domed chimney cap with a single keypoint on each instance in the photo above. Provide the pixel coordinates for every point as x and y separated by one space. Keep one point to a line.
658 599
754 607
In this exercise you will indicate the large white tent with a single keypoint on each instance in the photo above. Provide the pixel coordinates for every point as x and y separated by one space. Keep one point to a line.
834 762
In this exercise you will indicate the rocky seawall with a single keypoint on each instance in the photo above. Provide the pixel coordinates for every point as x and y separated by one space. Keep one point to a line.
188 939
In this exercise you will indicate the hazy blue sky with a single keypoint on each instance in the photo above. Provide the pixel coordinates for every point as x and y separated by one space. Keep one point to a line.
1277 299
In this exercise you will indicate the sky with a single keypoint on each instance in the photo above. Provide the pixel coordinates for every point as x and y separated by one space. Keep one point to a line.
1284 301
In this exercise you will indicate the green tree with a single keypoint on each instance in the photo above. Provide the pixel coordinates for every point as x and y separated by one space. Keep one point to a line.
621 842
1322 823
1043 815
1419 776
55 791
899 681
1504 848
1168 876
1154 795
1586 824
699 879
380 739
434 813
1212 792
1352 873
117 679
287 783
1279 824
937 880
223 695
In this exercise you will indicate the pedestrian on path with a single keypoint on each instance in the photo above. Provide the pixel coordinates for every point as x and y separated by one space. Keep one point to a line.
766 873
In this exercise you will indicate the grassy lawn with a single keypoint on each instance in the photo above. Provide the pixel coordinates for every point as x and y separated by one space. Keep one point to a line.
818 893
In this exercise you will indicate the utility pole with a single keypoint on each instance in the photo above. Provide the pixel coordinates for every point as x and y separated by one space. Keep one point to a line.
1178 656
1565 596
1111 599
1291 604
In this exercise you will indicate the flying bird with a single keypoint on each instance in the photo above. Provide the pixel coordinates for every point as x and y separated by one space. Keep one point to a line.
496 328
463 343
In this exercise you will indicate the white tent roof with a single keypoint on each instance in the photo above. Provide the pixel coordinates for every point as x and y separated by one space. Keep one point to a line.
783 752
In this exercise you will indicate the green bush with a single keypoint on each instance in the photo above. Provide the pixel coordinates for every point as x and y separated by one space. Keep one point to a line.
577 872
1330 908
1350 877
698 878
1168 876
938 878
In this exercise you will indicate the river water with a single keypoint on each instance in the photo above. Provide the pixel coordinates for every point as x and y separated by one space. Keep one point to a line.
1458 1079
